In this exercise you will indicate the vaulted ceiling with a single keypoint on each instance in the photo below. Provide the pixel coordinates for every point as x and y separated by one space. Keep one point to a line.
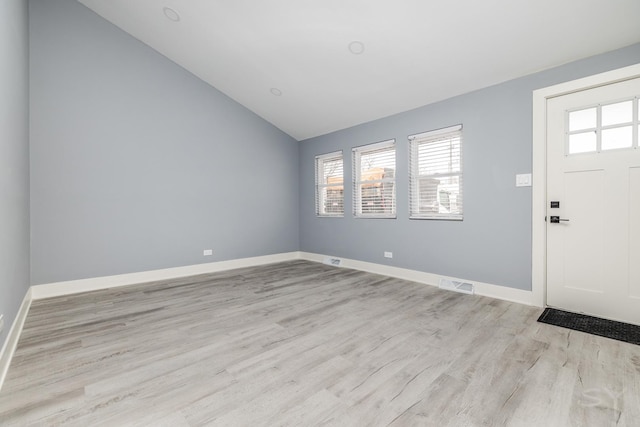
315 66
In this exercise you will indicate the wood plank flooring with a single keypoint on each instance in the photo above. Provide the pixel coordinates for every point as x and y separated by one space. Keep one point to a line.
305 344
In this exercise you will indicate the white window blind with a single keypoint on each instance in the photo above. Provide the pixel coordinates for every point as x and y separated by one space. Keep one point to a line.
374 180
330 184
435 174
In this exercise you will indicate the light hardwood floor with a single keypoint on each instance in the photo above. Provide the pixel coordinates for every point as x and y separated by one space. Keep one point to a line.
305 344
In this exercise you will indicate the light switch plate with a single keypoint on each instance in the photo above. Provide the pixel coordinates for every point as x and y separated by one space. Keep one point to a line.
523 180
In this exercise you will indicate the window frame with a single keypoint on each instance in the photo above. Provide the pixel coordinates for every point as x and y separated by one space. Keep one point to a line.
321 197
357 153
430 137
600 128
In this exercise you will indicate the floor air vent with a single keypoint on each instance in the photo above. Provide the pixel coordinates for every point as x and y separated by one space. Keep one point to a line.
452 285
336 262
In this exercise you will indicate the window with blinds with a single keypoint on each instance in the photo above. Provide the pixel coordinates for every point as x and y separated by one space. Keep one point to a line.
329 185
435 174
374 180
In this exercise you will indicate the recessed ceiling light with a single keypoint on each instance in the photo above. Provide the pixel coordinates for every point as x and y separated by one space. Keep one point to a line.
356 47
171 14
275 91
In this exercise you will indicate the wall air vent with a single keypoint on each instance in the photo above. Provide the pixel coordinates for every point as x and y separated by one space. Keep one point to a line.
336 262
452 285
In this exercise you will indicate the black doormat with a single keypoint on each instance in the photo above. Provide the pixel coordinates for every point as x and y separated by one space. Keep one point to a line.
592 325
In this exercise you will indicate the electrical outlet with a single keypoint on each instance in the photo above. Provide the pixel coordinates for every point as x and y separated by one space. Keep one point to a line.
207 252
388 254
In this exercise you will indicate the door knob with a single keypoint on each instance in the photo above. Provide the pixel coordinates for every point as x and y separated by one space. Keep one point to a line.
557 219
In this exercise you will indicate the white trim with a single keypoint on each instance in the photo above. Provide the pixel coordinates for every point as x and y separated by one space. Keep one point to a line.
539 189
485 289
436 132
11 342
329 155
96 283
375 146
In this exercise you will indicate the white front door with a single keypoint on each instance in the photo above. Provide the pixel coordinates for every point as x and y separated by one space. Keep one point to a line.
593 202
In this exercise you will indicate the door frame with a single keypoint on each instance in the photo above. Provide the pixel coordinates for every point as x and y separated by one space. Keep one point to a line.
539 168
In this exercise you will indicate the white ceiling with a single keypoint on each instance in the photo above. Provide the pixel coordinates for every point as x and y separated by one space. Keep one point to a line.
415 51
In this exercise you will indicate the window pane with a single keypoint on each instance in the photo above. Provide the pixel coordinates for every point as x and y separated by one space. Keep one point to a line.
329 185
377 198
582 143
374 176
449 195
439 157
439 195
333 200
617 138
332 171
377 161
427 195
619 113
583 119
435 175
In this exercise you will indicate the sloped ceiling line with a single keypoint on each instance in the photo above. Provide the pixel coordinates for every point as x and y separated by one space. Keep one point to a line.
295 63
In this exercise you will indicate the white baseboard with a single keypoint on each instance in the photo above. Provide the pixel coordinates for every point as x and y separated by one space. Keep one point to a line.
97 283
9 347
84 285
485 289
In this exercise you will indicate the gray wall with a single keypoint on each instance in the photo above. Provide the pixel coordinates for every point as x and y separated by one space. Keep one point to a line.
14 158
493 243
139 165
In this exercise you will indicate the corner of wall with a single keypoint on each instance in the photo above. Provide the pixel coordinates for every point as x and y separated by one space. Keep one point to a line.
10 344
